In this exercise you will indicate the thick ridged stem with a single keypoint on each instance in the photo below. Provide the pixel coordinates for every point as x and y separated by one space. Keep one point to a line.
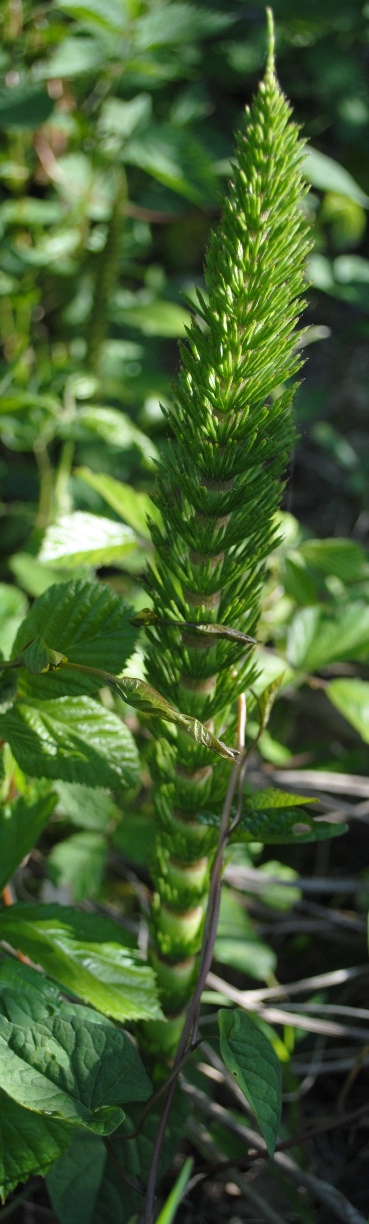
218 496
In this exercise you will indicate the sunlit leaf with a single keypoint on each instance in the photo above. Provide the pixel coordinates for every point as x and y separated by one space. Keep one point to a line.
351 697
72 738
73 619
89 955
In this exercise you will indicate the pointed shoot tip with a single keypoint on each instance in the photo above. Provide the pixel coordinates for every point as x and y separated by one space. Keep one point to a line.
270 68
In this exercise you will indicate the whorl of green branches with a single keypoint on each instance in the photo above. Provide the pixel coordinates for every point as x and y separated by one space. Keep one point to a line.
219 489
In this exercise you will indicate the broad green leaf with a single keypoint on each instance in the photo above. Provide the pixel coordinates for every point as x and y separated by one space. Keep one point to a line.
344 558
52 248
283 895
83 806
302 633
135 837
87 539
183 23
26 105
351 698
276 826
119 119
32 576
72 1070
328 175
89 955
297 580
153 317
315 639
95 12
27 996
74 1181
262 800
133 507
30 211
115 428
176 159
250 1058
75 55
13 605
72 738
80 1189
29 1144
21 823
78 864
85 621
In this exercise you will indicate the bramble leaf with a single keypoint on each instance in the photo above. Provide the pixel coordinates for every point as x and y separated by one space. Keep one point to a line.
72 738
90 955
88 623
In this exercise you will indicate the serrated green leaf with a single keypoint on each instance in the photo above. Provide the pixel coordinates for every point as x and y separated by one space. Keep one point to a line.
344 558
78 864
314 639
114 428
85 621
276 827
72 1070
87 539
91 956
26 105
73 56
351 698
176 159
83 806
21 823
72 738
153 318
29 1144
95 12
270 798
183 22
13 607
250 1058
26 996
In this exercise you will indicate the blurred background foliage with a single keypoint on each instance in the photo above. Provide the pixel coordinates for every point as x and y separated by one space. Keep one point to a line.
118 124
117 121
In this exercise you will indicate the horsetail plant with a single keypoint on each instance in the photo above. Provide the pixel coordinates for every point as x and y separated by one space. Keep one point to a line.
221 485
218 493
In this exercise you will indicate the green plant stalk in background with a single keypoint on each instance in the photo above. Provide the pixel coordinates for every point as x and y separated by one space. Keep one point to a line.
218 493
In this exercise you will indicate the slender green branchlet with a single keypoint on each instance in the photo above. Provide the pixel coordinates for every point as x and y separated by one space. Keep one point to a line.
232 433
